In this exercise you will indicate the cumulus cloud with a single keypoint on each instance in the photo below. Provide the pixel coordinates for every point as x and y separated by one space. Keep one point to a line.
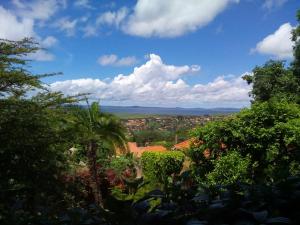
114 60
171 18
273 4
156 83
278 44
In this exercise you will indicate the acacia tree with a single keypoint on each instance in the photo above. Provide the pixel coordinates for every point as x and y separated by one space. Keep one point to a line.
14 78
34 135
98 128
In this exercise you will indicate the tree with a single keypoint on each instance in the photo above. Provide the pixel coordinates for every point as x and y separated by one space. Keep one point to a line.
158 166
230 169
267 132
34 137
296 39
274 81
15 79
98 128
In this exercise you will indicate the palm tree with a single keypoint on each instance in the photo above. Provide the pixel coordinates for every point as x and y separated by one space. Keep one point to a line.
98 128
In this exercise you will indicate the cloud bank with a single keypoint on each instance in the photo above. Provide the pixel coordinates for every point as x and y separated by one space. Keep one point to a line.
158 84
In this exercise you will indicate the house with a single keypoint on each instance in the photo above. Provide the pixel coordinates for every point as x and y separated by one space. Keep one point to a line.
138 151
183 145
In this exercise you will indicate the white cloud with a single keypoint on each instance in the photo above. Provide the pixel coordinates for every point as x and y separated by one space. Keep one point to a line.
18 3
171 18
112 18
83 3
14 28
66 25
40 10
20 23
278 44
156 83
272 4
49 41
41 55
89 31
70 26
114 60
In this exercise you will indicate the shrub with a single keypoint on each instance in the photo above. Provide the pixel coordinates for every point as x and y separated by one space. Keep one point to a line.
229 169
158 166
268 132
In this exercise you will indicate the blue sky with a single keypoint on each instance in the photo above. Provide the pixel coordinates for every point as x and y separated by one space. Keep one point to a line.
153 53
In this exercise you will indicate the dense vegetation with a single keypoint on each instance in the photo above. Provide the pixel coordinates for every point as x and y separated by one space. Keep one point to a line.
58 161
154 134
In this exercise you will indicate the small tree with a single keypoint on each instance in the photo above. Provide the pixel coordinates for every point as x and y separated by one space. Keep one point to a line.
229 169
159 166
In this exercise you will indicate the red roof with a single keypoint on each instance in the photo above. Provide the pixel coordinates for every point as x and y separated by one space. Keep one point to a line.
183 145
138 151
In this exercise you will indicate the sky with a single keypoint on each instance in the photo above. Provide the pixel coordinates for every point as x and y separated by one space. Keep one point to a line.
170 53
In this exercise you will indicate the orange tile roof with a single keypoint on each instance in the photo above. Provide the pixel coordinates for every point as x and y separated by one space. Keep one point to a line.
154 148
183 145
138 151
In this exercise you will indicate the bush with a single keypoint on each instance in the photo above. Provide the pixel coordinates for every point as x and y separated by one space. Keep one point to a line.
158 166
268 132
229 169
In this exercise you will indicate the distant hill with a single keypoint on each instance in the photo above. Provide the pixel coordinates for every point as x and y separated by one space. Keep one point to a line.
139 110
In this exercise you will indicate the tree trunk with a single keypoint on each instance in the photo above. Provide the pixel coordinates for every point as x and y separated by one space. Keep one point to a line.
96 182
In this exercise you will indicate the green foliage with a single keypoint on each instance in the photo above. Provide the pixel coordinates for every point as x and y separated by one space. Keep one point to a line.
230 204
35 135
268 132
158 166
15 80
99 131
95 125
144 137
152 134
120 163
296 34
274 81
229 169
